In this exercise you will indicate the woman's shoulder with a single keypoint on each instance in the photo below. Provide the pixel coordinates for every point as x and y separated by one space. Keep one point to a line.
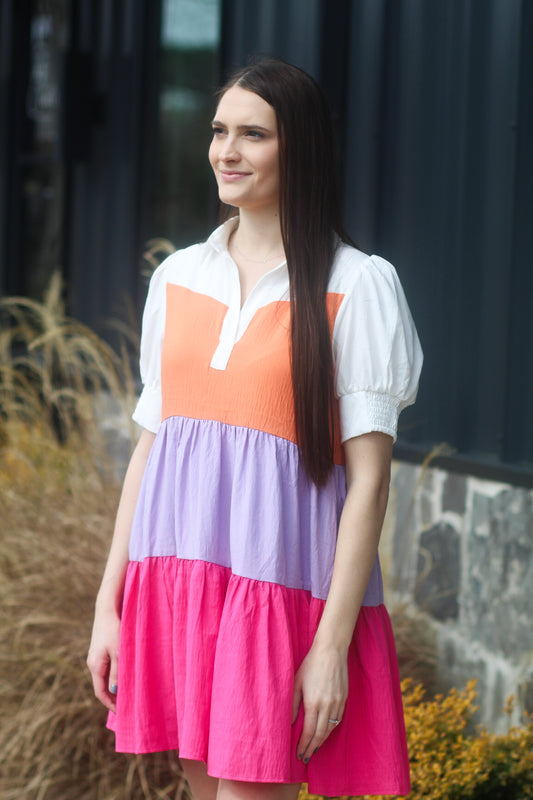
353 270
184 265
177 263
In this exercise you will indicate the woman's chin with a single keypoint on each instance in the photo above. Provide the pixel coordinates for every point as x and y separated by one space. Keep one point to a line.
226 197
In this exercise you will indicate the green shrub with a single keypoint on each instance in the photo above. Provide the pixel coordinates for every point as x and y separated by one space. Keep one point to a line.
447 763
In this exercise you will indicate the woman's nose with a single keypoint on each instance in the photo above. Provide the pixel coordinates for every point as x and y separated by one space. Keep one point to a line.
229 150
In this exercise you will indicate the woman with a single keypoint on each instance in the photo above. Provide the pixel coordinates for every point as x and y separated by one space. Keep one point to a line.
275 360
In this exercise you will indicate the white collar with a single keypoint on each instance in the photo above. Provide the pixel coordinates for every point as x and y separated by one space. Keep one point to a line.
219 239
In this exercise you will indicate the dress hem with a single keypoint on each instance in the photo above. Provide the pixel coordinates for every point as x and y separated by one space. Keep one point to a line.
328 791
190 671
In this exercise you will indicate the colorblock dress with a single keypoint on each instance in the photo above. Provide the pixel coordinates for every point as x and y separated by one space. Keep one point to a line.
232 548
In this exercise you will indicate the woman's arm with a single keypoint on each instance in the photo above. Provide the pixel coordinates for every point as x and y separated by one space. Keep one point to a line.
102 659
322 680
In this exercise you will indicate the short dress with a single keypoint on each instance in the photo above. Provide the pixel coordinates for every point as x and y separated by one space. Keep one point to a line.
232 547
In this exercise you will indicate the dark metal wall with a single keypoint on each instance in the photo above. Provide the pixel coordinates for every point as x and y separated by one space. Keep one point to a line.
518 429
313 34
288 29
6 103
106 109
434 103
115 48
452 173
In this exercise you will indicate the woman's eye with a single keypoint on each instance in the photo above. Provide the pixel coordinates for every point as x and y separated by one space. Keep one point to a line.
255 134
217 131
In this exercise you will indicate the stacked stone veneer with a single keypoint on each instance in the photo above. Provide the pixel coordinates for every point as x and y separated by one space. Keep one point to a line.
458 553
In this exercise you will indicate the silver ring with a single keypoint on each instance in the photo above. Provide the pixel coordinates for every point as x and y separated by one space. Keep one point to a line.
334 721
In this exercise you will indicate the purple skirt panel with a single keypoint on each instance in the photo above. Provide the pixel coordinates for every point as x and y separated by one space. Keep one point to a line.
276 526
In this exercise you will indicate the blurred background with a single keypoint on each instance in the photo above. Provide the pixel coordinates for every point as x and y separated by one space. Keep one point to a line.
104 128
105 109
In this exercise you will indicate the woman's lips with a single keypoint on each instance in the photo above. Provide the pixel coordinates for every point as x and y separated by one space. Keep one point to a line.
233 176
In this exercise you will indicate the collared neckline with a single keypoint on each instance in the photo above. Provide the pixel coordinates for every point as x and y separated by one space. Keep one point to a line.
238 317
219 241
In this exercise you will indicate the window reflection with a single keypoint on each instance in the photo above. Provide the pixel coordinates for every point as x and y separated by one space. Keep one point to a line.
183 188
42 173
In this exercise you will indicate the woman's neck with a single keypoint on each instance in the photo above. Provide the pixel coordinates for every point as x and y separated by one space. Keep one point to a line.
256 247
258 235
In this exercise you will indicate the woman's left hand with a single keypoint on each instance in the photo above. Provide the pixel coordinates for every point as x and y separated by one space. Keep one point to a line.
321 683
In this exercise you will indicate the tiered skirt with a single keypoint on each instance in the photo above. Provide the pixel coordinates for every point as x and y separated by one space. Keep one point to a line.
208 657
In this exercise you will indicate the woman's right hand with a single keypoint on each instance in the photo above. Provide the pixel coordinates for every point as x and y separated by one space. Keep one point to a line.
102 658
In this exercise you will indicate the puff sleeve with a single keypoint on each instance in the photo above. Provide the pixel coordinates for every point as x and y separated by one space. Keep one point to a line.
376 350
148 410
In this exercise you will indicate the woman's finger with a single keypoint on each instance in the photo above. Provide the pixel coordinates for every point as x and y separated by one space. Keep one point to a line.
308 733
112 686
100 667
113 674
101 690
319 736
325 724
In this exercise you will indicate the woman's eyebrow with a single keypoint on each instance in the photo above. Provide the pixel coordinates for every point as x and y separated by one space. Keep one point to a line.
246 127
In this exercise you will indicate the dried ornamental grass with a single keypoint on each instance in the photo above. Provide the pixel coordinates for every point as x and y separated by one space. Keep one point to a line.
52 367
57 505
56 517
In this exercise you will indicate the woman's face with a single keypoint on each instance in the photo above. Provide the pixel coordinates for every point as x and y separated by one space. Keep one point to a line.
244 152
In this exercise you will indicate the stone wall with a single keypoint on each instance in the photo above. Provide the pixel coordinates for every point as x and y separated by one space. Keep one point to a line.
457 554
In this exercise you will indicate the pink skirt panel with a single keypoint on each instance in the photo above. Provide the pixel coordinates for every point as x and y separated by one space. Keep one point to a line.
206 667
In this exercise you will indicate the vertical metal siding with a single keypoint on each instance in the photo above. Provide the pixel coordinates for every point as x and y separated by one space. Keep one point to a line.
518 438
447 150
437 126
364 133
106 236
289 29
6 108
433 101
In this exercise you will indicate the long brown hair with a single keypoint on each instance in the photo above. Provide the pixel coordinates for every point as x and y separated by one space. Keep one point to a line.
311 225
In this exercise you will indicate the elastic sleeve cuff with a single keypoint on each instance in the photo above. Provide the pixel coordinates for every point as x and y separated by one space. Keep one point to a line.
148 409
364 412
